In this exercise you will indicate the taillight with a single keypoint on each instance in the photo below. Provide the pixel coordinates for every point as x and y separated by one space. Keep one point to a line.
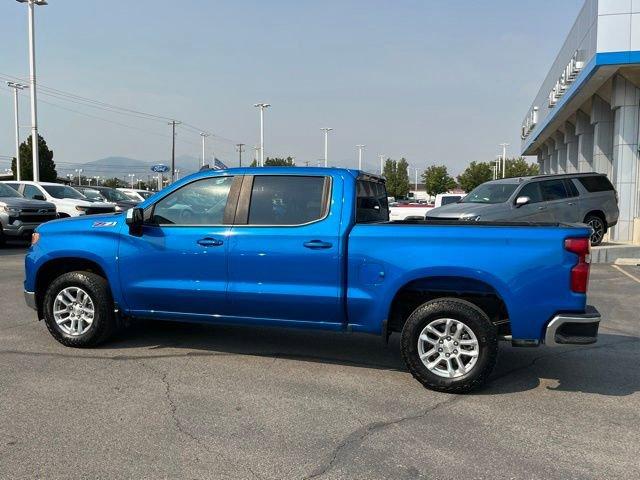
580 272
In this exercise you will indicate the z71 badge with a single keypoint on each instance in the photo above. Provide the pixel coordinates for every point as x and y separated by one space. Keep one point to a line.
104 224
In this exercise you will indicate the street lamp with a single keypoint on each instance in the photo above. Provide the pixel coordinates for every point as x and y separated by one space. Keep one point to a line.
32 84
262 106
16 87
360 149
326 131
79 172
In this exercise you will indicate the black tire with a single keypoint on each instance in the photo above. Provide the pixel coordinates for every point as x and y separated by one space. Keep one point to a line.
599 228
474 319
104 320
3 240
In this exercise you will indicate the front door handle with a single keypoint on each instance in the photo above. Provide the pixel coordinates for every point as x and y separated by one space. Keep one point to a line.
210 242
317 244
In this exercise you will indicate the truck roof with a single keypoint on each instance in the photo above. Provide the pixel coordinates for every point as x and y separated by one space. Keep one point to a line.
549 176
289 171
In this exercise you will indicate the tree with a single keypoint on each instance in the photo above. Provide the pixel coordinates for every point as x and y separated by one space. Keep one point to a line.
475 174
114 183
45 156
396 177
389 174
402 178
437 180
276 162
518 167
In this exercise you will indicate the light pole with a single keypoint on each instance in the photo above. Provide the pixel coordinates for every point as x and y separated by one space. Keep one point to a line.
32 83
416 194
16 87
79 172
256 155
326 131
177 175
360 149
504 159
262 106
381 164
131 177
97 179
173 124
204 137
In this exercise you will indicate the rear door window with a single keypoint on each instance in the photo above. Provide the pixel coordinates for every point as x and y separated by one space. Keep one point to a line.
596 183
553 190
371 202
531 190
288 199
572 191
31 191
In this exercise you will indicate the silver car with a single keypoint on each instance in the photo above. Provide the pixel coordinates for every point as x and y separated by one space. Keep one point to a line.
570 198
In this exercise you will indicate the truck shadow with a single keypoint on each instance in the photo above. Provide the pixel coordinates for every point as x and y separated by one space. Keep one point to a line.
598 369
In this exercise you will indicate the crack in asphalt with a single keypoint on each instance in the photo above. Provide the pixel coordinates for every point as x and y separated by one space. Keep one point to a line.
355 439
173 411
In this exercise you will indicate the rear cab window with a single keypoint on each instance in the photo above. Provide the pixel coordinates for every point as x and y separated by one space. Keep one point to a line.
371 202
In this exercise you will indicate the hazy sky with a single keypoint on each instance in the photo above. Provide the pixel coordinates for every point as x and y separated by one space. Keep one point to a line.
433 81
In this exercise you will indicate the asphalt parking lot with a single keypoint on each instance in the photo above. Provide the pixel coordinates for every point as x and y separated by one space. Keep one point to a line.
189 401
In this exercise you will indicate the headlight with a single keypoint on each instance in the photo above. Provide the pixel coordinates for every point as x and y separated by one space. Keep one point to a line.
12 210
469 217
82 209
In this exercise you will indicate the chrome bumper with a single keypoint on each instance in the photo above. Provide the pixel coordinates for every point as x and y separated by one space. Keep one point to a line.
30 299
573 328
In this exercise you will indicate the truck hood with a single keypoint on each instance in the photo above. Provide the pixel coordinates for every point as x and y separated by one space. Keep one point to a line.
457 210
73 202
25 203
109 221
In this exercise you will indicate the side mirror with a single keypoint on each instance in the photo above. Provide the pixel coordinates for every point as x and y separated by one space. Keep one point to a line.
520 201
135 220
39 197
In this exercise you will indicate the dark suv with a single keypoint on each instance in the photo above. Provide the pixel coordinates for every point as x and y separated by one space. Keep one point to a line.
570 198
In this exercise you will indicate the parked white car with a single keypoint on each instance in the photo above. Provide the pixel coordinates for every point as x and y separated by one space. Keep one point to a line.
417 211
136 194
68 201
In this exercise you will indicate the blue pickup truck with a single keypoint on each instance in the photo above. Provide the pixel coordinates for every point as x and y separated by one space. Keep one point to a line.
314 248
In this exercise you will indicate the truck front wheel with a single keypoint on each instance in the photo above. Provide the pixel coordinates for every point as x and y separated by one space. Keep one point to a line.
449 345
78 309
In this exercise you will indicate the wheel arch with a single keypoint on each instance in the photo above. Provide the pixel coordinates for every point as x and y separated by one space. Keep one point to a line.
417 291
55 267
597 213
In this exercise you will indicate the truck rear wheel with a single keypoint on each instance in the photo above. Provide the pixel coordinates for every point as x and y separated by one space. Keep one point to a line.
78 309
449 345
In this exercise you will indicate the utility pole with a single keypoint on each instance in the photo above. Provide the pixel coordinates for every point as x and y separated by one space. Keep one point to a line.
381 164
32 84
203 136
360 149
240 148
261 106
326 131
173 124
504 159
416 194
16 87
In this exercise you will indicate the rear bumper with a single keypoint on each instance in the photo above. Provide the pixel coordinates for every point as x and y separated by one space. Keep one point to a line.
30 299
573 328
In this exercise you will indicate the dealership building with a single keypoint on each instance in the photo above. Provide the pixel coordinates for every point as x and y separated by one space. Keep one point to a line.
586 115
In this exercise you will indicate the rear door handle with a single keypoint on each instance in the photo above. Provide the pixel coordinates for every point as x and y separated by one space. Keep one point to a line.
317 244
210 242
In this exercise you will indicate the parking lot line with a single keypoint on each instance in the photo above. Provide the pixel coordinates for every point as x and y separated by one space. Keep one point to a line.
632 277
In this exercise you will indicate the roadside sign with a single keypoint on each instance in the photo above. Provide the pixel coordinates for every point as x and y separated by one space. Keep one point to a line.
159 168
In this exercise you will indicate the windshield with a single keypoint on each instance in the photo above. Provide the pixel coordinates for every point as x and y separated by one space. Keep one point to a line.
93 195
62 191
114 195
491 193
8 192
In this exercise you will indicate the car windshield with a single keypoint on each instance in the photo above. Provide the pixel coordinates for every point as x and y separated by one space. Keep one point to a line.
93 195
62 191
8 192
114 195
491 193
